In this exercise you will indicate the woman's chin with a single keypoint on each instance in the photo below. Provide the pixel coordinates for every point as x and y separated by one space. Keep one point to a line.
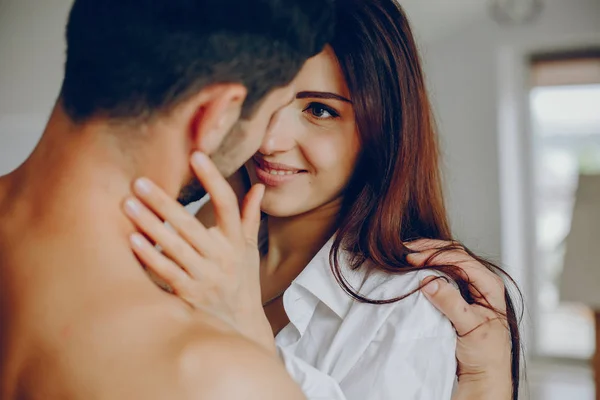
278 209
277 212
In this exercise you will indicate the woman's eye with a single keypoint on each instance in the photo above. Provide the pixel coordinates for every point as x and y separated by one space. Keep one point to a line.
321 111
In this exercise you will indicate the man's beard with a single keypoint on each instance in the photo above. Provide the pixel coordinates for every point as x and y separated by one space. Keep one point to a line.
191 192
228 158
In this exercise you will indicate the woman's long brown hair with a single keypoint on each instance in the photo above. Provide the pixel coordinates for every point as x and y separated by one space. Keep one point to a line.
395 193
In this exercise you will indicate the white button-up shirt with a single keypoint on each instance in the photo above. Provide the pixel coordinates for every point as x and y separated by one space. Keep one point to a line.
336 348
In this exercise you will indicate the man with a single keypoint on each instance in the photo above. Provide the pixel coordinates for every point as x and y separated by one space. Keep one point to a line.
146 84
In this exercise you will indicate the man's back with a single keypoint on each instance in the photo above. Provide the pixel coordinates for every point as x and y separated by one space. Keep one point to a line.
82 322
61 327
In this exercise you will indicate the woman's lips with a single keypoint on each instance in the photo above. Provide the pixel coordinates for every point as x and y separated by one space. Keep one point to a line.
273 174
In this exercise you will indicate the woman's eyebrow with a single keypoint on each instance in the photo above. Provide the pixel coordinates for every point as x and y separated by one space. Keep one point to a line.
321 95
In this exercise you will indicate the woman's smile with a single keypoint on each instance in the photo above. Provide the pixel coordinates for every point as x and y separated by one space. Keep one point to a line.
275 174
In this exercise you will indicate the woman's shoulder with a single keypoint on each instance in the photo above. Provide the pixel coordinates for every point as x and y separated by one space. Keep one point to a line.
388 285
412 313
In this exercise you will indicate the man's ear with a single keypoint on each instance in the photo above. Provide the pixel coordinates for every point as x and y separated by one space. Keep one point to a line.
214 112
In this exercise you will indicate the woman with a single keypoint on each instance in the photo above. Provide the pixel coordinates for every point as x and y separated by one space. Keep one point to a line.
351 175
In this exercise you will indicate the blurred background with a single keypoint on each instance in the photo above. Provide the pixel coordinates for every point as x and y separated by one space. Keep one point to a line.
516 91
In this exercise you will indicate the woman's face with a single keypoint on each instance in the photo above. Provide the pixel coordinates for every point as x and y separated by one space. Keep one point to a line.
310 149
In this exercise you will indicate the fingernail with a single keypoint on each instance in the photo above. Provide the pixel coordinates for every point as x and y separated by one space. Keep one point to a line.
432 287
132 207
142 186
221 122
199 159
411 244
136 240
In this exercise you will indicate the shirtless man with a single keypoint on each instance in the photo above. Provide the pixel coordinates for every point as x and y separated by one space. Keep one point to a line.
146 84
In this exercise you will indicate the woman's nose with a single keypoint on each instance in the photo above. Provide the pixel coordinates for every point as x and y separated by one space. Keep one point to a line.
280 136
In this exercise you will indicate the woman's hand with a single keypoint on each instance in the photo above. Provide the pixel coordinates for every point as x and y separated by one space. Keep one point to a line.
240 183
483 345
215 269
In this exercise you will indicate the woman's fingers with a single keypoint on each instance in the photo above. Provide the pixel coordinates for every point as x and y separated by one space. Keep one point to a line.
152 259
485 282
172 244
450 303
227 211
469 268
483 344
188 227
251 214
427 244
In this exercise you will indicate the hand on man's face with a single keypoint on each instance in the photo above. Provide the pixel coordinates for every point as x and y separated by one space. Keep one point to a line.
241 143
229 157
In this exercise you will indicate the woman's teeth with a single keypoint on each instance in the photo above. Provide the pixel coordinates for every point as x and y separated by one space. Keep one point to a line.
280 172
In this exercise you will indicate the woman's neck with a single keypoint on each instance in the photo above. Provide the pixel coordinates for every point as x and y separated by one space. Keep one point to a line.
294 241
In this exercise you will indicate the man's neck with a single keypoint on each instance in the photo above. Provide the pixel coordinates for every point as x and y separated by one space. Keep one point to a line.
73 185
70 167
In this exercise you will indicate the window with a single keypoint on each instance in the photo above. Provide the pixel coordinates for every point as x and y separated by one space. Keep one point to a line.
565 116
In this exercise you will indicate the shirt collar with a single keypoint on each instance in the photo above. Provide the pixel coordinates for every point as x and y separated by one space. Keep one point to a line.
318 279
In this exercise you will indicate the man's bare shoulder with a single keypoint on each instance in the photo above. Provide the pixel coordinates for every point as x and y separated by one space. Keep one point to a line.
227 366
203 358
199 357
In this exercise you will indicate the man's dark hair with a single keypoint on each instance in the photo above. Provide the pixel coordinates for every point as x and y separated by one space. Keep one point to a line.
128 59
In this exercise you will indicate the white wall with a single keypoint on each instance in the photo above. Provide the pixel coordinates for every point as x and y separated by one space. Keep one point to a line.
462 71
31 63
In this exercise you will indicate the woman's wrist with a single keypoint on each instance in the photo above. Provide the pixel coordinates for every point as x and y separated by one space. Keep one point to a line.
255 326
